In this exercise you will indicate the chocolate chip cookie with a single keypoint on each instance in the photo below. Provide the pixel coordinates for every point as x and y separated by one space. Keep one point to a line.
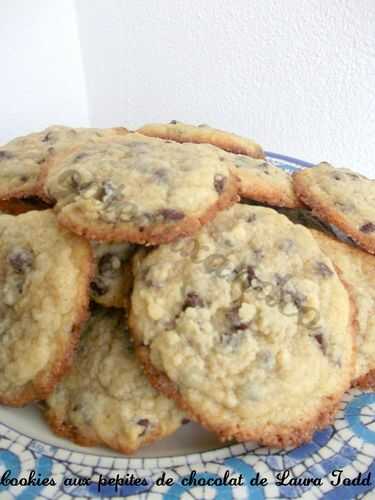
263 182
21 159
340 197
247 325
139 189
106 399
113 277
358 271
203 134
45 273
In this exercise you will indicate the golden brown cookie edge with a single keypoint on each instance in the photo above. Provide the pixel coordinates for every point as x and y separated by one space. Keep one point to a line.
225 140
330 215
47 379
263 192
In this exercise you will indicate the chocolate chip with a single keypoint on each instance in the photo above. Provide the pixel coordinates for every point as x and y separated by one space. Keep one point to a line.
76 181
286 245
24 178
47 137
173 122
98 287
337 177
192 300
219 183
236 323
295 297
319 338
251 218
263 165
6 155
171 214
79 157
258 254
109 265
298 299
250 274
354 176
232 338
185 421
323 270
145 423
369 227
241 326
41 161
160 175
21 259
282 280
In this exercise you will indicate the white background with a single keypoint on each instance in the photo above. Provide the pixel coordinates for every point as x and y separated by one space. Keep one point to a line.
41 72
297 75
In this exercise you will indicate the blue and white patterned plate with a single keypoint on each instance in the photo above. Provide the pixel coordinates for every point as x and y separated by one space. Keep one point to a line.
349 446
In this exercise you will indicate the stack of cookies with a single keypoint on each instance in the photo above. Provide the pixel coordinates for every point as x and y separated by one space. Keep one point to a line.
171 274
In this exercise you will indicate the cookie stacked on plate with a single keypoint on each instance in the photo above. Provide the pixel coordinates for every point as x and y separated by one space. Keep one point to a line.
137 292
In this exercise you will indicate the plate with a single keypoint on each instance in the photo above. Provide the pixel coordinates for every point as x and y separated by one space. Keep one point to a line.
338 464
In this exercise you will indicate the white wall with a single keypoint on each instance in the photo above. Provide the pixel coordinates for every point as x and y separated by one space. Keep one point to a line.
41 73
298 75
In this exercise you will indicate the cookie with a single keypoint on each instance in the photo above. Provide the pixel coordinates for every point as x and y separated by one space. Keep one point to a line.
139 189
45 273
203 134
358 271
113 277
106 399
247 326
263 182
16 207
340 197
21 159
